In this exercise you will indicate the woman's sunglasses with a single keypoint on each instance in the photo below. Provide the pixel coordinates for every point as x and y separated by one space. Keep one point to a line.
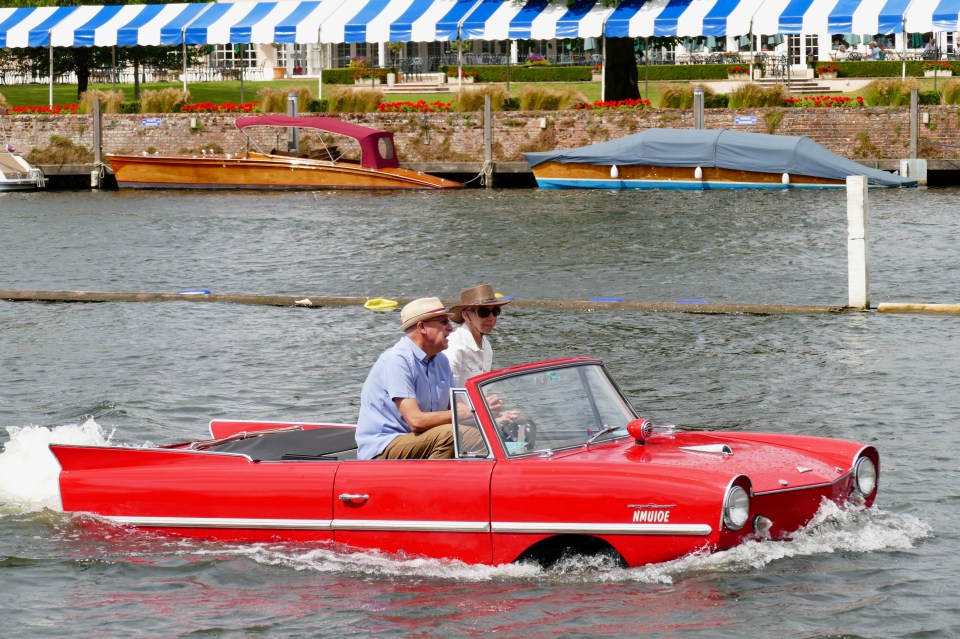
486 311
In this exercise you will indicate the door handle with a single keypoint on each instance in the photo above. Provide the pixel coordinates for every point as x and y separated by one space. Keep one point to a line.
346 497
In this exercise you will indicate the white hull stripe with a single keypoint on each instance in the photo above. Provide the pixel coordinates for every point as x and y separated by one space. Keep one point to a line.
415 526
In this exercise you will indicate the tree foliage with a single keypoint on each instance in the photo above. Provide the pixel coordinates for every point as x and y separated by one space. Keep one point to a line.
34 62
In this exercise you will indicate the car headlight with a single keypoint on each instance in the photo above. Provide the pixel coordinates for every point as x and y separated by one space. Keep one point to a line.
865 476
736 508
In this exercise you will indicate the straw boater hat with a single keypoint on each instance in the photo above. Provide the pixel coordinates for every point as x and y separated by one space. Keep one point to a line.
422 310
479 295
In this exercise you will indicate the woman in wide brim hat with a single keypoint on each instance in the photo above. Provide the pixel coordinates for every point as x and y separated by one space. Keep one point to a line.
469 351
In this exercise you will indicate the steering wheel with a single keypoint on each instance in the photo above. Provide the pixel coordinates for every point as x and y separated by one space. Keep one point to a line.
521 430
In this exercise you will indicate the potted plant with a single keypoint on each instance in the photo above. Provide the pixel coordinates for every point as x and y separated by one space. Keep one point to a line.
468 75
536 60
738 72
828 71
937 67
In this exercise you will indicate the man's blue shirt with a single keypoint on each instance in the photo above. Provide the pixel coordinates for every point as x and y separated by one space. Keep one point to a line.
402 371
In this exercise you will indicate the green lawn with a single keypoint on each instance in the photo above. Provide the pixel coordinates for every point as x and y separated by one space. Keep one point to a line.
229 91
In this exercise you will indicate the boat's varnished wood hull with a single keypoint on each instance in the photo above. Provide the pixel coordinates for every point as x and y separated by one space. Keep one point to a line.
558 175
256 171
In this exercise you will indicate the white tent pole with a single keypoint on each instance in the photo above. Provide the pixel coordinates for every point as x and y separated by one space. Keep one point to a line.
320 70
184 74
51 74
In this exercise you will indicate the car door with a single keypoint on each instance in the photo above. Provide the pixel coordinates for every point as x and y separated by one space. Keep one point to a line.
433 507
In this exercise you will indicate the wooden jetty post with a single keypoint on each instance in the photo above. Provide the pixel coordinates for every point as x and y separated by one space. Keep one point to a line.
487 142
858 259
97 173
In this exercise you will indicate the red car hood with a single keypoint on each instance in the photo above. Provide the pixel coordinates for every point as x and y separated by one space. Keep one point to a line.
772 462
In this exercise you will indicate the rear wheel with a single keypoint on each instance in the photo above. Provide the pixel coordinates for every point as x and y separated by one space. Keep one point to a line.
549 552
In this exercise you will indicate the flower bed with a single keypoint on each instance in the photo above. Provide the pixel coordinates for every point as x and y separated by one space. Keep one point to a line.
638 103
470 74
824 101
414 107
56 109
226 107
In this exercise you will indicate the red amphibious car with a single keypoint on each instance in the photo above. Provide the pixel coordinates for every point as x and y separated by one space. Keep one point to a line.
574 469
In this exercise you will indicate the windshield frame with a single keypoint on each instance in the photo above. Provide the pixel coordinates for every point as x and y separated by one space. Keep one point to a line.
490 387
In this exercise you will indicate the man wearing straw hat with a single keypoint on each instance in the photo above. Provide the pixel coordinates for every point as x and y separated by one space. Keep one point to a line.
405 401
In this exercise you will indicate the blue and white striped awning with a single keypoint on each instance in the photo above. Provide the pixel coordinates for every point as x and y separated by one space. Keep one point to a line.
535 19
337 21
660 18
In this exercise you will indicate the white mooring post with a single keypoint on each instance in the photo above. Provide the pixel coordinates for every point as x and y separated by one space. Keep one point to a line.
858 259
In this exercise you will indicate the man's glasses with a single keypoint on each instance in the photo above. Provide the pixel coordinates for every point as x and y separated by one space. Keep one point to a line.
486 311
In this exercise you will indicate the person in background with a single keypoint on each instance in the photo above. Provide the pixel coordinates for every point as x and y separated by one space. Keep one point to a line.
477 312
873 51
842 52
405 402
930 50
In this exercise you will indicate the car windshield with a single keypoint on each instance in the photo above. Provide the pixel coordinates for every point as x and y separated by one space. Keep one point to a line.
557 408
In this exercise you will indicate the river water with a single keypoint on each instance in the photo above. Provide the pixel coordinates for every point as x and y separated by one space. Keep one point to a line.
144 373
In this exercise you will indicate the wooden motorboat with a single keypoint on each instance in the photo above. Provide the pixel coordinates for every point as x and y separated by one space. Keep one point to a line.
328 154
16 174
694 159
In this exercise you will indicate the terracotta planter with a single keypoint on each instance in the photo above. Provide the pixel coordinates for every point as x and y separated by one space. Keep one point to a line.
279 72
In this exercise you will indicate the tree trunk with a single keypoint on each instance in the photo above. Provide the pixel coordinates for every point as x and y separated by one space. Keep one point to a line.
83 80
620 79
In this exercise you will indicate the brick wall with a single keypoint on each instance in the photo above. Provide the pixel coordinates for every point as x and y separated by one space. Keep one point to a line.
860 133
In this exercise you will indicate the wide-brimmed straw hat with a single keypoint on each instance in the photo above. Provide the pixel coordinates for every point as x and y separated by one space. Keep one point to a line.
422 310
479 295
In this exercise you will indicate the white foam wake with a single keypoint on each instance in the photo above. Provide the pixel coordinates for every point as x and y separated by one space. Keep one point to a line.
28 471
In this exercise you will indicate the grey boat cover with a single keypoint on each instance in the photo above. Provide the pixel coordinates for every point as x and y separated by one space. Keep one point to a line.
738 150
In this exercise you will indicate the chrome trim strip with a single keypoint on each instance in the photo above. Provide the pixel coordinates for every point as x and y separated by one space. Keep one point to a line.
602 529
414 526
401 525
804 487
223 522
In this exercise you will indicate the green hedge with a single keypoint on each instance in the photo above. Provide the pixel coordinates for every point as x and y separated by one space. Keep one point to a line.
520 73
884 68
684 71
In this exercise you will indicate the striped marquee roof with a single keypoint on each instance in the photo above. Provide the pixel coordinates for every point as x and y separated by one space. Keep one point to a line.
336 21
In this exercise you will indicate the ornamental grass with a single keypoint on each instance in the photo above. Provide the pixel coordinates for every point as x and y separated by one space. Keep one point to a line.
346 100
110 101
951 91
472 99
538 99
275 100
752 96
680 96
169 100
889 91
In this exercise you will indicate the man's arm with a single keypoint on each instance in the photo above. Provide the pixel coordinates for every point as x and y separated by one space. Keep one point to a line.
416 419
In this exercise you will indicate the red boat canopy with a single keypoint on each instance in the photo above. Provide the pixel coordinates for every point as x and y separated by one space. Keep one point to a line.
376 146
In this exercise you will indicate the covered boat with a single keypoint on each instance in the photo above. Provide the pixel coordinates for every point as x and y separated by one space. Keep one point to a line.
701 160
326 154
16 174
